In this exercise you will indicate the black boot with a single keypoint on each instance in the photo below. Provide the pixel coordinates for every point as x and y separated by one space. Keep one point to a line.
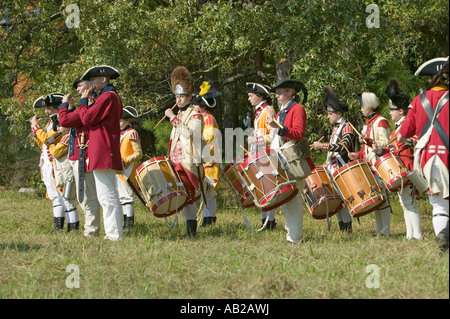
191 228
59 223
271 224
347 227
206 221
341 225
73 226
213 220
129 222
442 239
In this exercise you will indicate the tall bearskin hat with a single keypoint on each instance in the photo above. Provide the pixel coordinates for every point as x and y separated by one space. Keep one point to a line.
332 103
206 96
181 81
397 98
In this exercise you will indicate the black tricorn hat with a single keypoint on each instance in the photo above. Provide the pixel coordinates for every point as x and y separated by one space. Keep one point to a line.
398 99
129 112
100 70
431 67
206 96
295 84
76 81
54 99
332 103
39 102
257 88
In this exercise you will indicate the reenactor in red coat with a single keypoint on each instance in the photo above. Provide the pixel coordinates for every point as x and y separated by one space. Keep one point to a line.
292 117
104 160
398 105
428 118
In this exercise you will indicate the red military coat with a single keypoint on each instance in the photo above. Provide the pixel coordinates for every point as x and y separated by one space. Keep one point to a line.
294 122
102 121
406 153
416 120
72 119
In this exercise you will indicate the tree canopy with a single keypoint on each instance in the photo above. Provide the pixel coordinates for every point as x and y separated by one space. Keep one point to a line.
320 42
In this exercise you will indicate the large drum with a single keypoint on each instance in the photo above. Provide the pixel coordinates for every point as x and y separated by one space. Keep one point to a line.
163 191
320 195
392 171
236 181
358 186
267 181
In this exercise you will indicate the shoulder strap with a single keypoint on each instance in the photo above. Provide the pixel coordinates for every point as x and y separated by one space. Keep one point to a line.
432 117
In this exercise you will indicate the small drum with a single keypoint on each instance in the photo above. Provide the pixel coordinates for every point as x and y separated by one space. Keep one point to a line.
267 181
418 181
236 181
163 191
320 196
392 171
358 186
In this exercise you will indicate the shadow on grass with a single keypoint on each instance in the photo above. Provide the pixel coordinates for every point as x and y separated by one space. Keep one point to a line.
19 246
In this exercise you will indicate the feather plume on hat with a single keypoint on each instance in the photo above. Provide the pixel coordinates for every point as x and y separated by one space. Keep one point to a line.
399 100
181 81
332 103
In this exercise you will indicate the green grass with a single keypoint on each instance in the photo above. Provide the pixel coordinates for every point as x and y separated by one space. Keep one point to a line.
223 261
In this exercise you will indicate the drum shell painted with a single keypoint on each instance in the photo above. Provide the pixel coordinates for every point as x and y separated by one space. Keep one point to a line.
392 171
358 186
237 183
153 176
270 191
320 196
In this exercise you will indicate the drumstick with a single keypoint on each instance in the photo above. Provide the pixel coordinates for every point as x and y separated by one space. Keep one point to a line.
277 123
343 144
243 149
354 128
165 116
357 132
317 141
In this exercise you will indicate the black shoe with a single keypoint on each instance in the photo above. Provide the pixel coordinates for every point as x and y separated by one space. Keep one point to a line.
206 221
442 241
347 227
213 220
128 222
59 223
341 225
73 226
271 224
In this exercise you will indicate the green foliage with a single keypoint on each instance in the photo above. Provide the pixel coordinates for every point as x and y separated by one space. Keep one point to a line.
233 42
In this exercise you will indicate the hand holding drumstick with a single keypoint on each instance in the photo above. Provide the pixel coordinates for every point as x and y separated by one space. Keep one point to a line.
317 144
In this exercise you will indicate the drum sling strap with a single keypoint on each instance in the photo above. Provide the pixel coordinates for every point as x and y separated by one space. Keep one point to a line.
432 117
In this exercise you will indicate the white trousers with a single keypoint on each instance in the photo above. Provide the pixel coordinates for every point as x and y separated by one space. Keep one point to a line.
90 205
293 215
383 215
108 197
344 215
209 210
125 196
54 195
440 212
411 213
189 212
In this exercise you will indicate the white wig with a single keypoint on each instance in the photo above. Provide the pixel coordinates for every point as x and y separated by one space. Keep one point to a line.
369 100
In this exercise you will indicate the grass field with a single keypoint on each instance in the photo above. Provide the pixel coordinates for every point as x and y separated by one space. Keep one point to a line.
224 261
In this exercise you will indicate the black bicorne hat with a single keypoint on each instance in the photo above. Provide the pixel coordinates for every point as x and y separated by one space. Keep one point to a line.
257 88
295 84
206 96
332 103
397 98
431 67
101 70
129 112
